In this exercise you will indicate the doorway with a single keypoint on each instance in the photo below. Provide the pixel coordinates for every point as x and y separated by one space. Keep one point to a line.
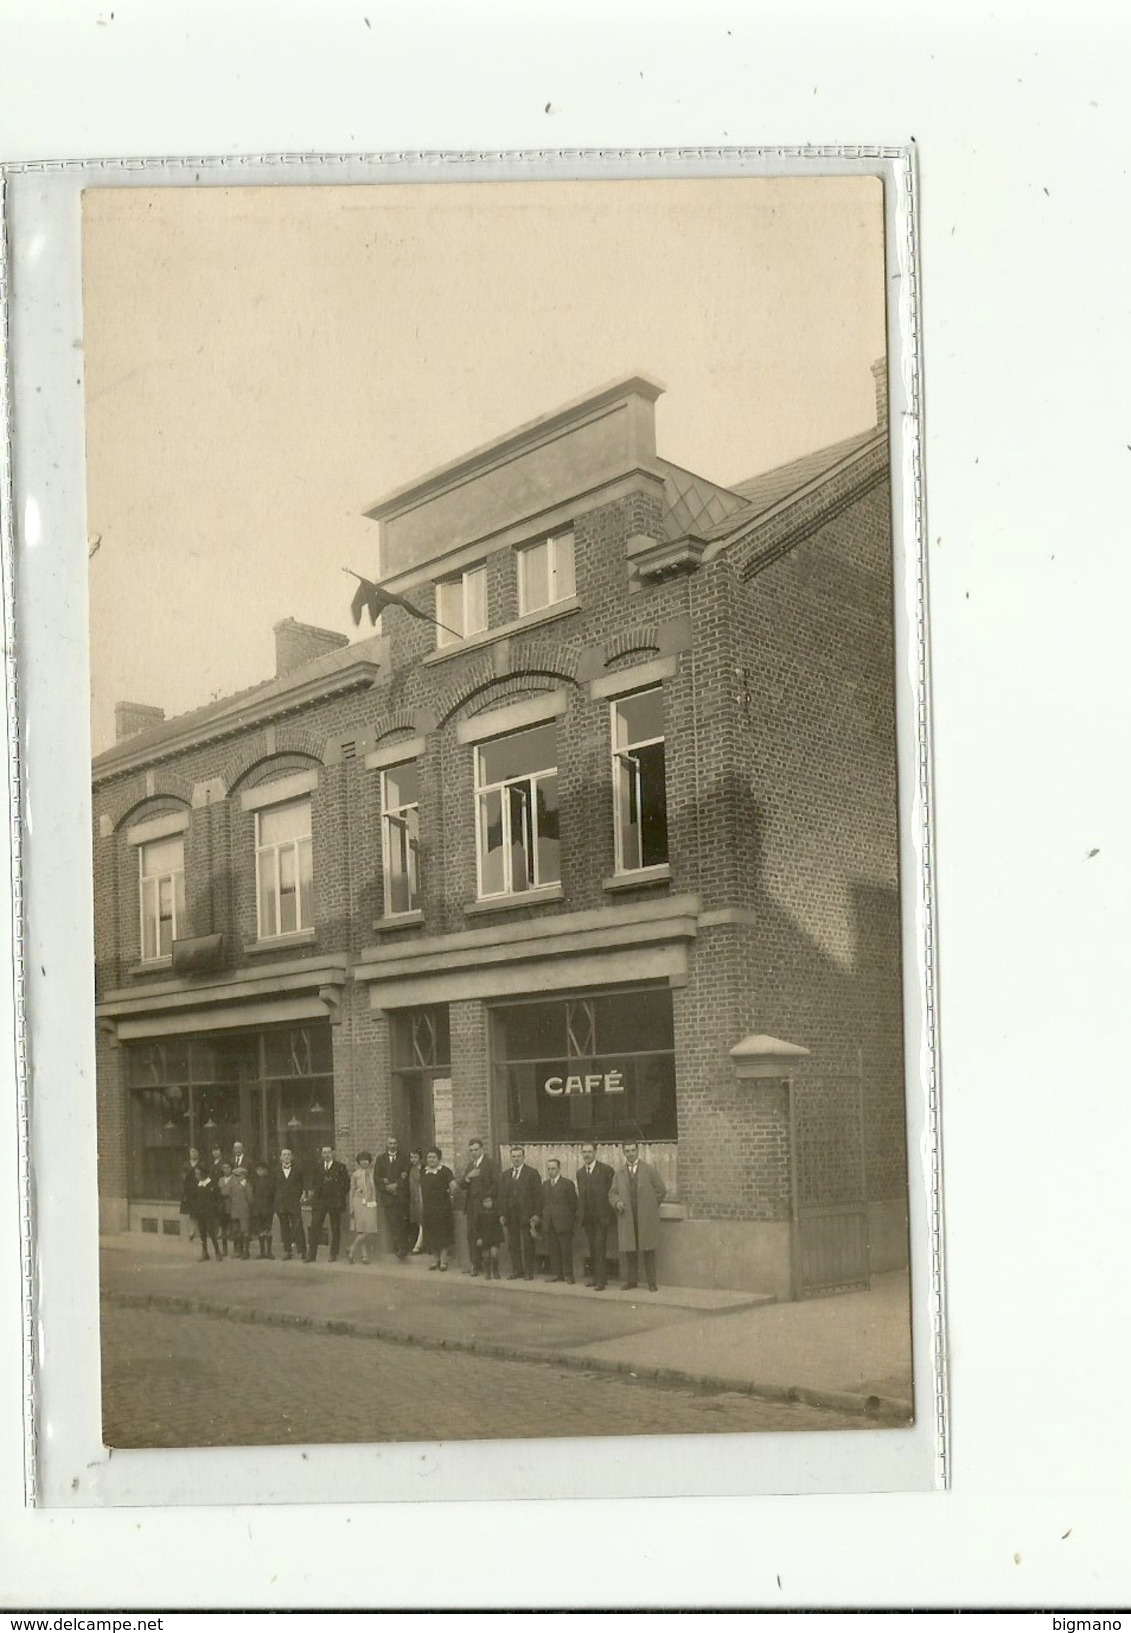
421 1052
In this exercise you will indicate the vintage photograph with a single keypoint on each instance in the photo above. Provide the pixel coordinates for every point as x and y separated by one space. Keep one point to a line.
495 811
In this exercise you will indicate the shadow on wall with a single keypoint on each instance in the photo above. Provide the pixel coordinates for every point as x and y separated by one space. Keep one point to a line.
849 1015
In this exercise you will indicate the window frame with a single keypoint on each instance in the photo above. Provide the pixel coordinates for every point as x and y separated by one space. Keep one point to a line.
482 789
618 758
177 891
502 1061
445 636
301 926
552 543
390 816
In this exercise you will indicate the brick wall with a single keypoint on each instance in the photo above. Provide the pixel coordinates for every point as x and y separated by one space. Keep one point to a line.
362 1075
799 815
781 794
470 1076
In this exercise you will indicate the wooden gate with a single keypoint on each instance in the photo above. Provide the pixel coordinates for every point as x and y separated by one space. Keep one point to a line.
830 1210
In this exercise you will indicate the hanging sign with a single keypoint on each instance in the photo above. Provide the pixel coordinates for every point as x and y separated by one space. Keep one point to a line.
443 1114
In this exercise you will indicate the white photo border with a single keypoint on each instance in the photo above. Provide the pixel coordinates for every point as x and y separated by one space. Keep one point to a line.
46 695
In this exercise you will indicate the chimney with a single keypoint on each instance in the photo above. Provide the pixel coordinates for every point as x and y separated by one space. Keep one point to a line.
130 718
880 375
296 644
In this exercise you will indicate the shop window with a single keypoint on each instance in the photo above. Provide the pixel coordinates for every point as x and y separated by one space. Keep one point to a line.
177 1098
293 1102
269 1089
598 1067
640 802
297 1051
545 573
162 872
284 869
461 605
157 1145
516 790
400 837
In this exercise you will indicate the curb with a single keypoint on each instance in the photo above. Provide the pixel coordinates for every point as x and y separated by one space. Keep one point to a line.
877 1408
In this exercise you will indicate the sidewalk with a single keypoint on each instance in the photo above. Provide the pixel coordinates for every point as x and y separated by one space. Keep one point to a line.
851 1351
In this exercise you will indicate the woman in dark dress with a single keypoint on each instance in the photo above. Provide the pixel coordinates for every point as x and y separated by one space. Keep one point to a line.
436 1183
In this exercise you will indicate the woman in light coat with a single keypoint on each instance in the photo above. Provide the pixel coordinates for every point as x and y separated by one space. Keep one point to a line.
363 1207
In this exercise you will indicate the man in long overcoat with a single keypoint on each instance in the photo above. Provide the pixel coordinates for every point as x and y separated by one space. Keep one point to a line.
636 1195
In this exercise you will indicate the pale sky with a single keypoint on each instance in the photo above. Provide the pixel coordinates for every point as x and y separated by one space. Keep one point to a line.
263 364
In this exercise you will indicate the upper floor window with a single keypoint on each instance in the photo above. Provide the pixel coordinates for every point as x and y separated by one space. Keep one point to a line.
545 573
162 872
640 802
516 792
461 605
400 837
284 868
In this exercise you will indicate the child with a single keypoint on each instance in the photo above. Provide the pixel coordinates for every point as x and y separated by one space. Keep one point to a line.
490 1237
262 1218
238 1193
223 1211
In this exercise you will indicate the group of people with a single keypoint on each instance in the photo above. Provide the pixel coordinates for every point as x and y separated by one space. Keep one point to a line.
232 1202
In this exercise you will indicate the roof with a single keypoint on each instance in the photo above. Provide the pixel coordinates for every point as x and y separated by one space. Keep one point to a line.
763 492
759 495
693 505
503 448
331 670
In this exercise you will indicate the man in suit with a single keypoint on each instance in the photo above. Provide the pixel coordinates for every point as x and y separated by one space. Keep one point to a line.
239 1159
595 1212
390 1175
286 1194
479 1180
559 1216
637 1193
329 1193
520 1197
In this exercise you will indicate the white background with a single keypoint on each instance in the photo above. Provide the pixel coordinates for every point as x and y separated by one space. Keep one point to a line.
1022 122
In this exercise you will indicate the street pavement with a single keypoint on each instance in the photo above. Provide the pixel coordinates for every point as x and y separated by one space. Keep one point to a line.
176 1380
848 1352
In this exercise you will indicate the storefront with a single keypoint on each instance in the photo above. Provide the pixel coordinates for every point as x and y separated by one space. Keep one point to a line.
269 1089
562 1070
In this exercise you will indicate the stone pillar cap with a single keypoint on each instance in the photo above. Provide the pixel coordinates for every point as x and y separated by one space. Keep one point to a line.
759 1055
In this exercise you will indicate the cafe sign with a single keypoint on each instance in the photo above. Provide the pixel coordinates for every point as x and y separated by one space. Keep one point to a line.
592 1083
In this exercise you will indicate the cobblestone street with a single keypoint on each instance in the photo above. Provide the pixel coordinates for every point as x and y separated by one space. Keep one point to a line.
195 1380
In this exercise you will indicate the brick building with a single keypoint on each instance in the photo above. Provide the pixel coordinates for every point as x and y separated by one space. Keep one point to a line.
612 852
